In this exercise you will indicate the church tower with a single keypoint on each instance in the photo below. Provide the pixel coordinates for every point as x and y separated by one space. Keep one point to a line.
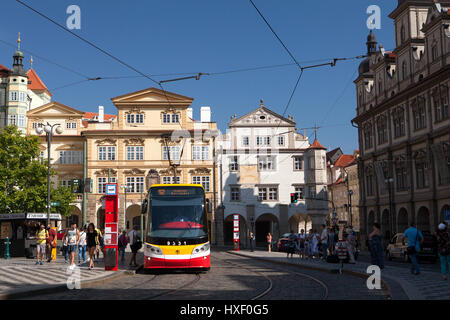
17 87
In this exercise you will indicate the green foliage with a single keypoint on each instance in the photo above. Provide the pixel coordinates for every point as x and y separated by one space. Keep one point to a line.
65 196
23 176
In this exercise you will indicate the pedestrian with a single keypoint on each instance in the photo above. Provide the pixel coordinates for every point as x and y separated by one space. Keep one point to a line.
376 248
51 242
292 243
100 242
123 242
324 241
252 242
65 249
269 242
91 243
415 238
315 244
308 243
443 239
73 237
134 245
82 246
41 244
301 244
351 244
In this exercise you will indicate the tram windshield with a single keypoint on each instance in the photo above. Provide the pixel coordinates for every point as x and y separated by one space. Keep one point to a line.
177 213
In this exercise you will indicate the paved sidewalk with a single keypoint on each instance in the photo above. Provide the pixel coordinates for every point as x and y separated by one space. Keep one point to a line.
402 284
20 277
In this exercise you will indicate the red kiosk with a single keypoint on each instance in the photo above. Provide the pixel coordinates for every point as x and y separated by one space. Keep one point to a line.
111 228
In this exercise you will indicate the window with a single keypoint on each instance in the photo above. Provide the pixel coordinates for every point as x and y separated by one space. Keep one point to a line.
298 163
312 192
382 130
404 71
140 118
71 157
101 183
402 34
299 191
263 141
281 141
421 175
107 153
171 180
235 194
440 107
401 178
22 120
262 194
64 183
71 125
273 194
37 125
419 115
434 52
135 184
399 123
130 118
175 118
135 153
12 119
266 163
174 153
200 153
369 184
368 137
203 180
166 118
234 163
13 96
311 163
245 141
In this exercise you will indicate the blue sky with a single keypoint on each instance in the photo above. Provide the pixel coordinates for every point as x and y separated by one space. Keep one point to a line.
181 36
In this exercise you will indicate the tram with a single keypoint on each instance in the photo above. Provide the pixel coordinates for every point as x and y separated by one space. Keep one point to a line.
177 235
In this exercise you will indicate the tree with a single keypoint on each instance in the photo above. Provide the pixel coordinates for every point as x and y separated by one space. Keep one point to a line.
23 175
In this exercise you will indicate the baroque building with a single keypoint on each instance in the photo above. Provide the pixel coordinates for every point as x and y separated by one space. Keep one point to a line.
262 160
403 122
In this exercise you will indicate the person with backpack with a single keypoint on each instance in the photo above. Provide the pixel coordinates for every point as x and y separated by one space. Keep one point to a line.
135 244
123 243
415 238
443 238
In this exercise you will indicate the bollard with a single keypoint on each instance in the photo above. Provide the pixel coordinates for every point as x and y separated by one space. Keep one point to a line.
7 243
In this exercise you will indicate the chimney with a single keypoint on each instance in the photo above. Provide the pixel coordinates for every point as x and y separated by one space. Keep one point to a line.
101 114
205 114
190 112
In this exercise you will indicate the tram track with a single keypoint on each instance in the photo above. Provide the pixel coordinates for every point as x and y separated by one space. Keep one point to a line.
270 287
172 291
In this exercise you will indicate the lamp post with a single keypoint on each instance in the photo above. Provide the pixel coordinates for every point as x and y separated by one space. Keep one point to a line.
48 129
350 209
125 188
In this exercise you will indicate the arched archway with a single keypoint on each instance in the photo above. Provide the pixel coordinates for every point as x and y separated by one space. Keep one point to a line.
75 216
423 219
133 217
228 230
300 221
264 224
385 225
402 220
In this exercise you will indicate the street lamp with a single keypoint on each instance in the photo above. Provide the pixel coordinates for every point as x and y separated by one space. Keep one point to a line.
350 193
126 188
48 129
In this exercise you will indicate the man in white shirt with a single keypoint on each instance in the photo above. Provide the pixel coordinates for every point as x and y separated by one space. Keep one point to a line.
324 241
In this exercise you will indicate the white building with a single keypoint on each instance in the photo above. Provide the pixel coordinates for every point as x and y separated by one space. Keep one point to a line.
262 161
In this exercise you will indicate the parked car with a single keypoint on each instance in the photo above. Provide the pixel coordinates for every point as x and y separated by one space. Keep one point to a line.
282 242
396 248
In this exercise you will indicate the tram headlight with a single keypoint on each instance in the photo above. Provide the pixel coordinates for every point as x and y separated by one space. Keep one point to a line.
201 249
152 250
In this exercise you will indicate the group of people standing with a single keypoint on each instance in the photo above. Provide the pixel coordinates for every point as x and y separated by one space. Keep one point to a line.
86 239
307 245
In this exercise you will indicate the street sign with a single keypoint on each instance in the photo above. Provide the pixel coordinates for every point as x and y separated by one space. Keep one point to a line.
111 189
55 204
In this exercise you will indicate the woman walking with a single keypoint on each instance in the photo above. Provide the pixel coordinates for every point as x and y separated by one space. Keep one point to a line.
82 246
269 242
443 239
91 241
376 249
